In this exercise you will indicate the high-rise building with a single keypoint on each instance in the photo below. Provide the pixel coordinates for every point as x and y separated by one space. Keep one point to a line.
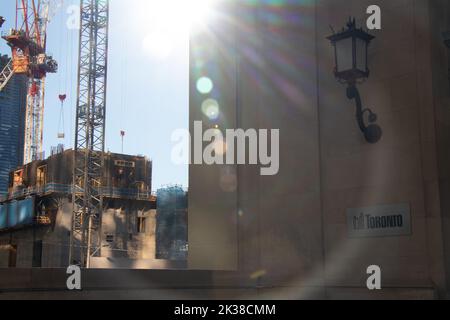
12 125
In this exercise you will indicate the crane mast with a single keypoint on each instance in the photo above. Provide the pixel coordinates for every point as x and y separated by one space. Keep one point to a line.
90 132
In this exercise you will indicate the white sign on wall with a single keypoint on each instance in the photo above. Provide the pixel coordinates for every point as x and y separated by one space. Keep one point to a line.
379 221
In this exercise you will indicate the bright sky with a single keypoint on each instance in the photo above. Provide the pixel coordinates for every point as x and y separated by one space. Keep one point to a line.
147 81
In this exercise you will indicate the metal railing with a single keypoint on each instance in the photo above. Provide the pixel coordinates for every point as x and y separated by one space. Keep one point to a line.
55 188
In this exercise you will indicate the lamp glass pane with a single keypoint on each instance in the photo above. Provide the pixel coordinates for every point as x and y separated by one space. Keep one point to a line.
344 51
361 47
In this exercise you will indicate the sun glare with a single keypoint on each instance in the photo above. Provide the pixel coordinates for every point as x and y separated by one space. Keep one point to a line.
169 23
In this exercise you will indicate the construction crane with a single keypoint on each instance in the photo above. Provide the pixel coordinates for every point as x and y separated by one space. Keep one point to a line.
28 44
87 201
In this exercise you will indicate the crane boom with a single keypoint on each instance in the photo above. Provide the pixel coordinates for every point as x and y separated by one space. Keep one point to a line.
6 74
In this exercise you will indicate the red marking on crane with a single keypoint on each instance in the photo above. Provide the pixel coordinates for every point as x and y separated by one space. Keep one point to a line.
34 89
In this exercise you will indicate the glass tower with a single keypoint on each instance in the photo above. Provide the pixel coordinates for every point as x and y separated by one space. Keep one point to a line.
12 125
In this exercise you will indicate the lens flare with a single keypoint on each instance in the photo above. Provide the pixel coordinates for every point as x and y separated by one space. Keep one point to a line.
211 109
171 22
205 85
158 44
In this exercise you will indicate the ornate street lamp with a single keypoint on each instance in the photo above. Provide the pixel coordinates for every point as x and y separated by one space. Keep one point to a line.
350 50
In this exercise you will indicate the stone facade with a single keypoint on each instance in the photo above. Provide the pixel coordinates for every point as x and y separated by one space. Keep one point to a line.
291 229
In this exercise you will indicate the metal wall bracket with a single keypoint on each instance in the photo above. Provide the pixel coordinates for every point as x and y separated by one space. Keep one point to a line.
372 132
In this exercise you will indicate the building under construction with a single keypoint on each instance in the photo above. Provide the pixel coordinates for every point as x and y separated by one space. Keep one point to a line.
36 215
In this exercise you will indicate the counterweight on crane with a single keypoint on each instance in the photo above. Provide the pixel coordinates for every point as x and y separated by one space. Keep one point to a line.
90 132
28 45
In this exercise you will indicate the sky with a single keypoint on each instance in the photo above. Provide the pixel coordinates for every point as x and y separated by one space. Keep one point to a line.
148 80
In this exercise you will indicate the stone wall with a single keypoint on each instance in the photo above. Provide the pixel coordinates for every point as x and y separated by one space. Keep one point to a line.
292 227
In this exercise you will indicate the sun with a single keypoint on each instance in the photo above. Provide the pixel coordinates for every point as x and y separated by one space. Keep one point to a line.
169 22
